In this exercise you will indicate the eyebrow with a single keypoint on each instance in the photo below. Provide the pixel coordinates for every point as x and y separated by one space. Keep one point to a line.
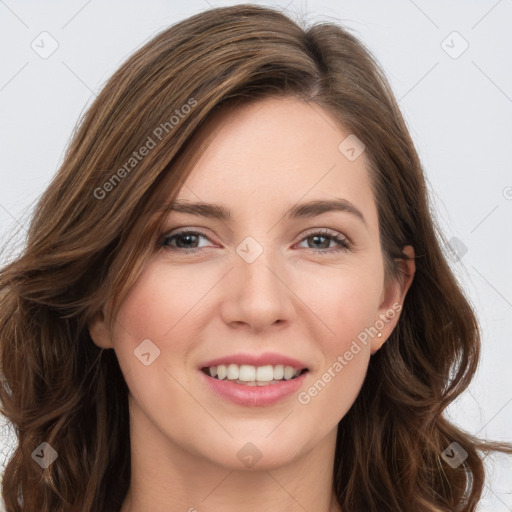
301 210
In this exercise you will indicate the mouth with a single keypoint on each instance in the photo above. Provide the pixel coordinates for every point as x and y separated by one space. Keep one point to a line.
249 375
254 380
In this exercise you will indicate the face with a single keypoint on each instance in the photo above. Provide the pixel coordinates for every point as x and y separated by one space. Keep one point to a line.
262 288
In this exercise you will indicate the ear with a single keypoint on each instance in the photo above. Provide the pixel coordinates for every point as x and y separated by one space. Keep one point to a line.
99 331
392 299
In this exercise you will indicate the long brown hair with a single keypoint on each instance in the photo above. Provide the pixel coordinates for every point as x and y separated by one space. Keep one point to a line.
95 226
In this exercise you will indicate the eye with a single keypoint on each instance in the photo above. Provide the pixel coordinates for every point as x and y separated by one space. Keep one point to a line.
323 239
183 240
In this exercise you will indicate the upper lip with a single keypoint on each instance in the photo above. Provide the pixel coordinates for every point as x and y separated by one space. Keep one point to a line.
267 358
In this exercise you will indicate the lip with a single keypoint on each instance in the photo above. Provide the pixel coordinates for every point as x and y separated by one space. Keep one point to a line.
264 359
253 396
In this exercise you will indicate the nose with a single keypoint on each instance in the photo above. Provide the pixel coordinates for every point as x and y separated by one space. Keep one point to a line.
257 294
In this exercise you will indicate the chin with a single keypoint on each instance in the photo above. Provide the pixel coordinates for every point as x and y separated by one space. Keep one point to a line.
254 453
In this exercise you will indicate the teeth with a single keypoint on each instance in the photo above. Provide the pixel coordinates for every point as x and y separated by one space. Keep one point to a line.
289 372
265 373
247 373
222 372
278 372
233 372
253 375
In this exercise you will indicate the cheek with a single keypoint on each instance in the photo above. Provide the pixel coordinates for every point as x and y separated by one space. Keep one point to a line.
154 332
332 389
161 302
346 299
163 309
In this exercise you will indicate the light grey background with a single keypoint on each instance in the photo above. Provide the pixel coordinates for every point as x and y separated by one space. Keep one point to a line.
457 103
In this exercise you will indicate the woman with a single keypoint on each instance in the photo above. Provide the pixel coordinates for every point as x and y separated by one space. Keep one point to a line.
299 354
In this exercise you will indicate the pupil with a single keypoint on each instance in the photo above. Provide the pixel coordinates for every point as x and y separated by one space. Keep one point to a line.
316 237
187 238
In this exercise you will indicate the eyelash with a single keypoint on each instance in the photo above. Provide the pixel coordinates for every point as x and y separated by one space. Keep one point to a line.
343 243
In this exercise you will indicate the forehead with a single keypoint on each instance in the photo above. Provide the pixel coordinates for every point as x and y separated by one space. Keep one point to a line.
275 152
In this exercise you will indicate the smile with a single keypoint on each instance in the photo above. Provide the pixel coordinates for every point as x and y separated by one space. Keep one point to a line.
249 375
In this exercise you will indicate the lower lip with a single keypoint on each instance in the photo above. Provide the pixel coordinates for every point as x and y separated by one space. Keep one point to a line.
254 396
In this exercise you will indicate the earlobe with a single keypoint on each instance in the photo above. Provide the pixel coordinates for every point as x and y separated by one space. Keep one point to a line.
393 299
377 342
99 332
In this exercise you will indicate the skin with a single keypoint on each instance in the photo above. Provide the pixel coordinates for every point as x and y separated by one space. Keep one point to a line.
294 299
